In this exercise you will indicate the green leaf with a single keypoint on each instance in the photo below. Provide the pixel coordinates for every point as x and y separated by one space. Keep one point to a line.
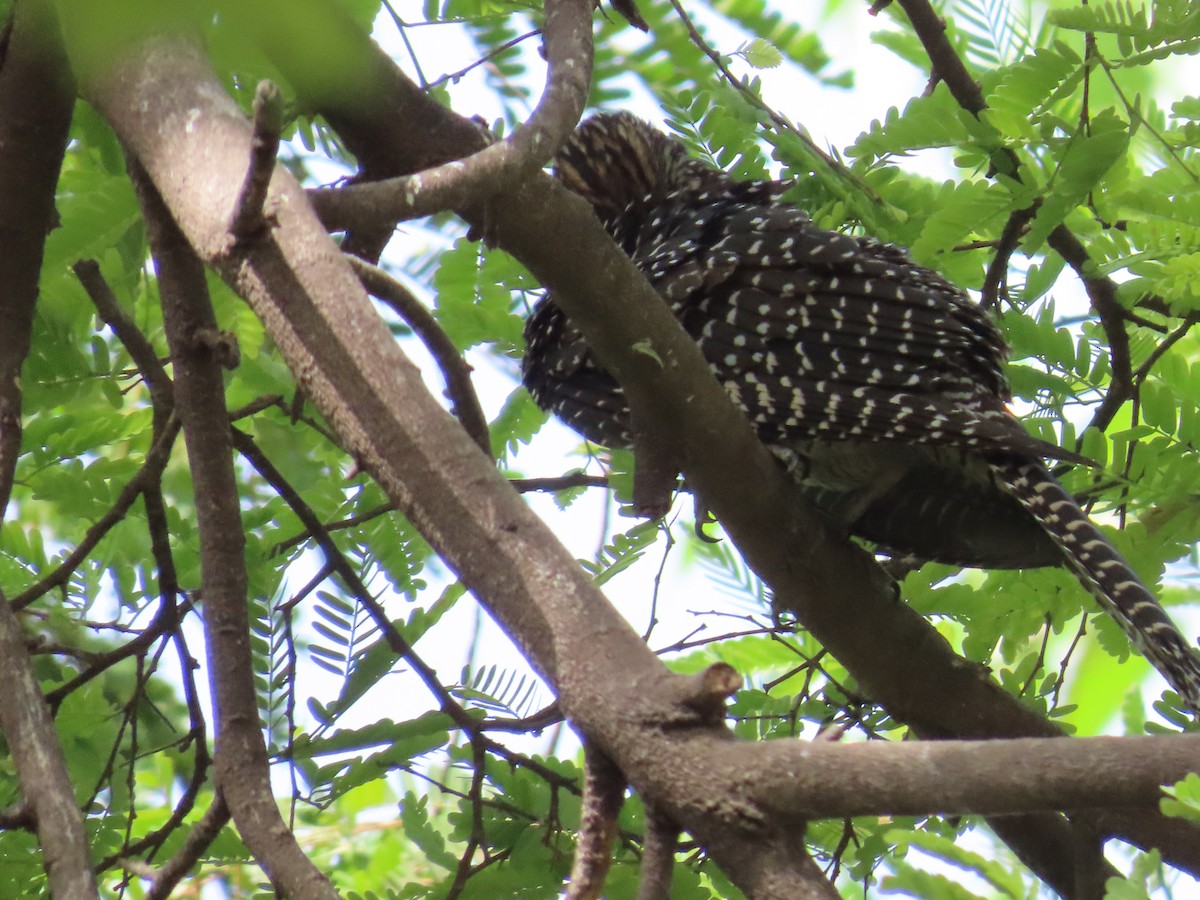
761 54
475 302
418 828
1029 87
934 120
962 210
1001 877
95 210
1183 799
519 420
1084 162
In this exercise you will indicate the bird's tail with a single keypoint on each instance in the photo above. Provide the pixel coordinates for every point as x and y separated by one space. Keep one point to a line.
1106 575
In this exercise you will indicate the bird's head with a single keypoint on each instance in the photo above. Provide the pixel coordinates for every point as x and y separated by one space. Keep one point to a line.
616 161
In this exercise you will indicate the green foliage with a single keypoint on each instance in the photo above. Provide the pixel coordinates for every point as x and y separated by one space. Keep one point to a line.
1002 878
934 120
761 54
1143 883
1184 799
996 32
475 296
622 552
519 420
787 38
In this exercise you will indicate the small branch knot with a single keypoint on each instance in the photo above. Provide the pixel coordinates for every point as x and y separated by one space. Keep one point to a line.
223 345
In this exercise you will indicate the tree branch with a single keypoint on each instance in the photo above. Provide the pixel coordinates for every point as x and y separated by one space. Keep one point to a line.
498 168
156 460
603 796
36 97
248 211
823 779
454 368
240 760
37 756
36 100
319 317
199 839
660 839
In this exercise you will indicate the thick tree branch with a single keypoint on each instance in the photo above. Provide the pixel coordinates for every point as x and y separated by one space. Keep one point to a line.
36 98
45 783
823 779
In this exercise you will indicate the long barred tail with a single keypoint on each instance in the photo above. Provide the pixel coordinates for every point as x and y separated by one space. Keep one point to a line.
1106 575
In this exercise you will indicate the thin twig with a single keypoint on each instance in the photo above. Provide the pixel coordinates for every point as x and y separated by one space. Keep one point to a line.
199 839
520 485
558 483
995 281
1161 348
507 45
354 521
1103 295
401 27
455 370
152 467
140 350
334 557
248 212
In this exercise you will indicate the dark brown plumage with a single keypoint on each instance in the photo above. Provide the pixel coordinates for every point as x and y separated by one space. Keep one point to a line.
879 384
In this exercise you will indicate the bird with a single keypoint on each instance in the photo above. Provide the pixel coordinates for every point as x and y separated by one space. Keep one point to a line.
877 383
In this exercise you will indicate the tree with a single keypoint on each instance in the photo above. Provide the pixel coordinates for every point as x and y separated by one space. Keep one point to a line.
164 275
